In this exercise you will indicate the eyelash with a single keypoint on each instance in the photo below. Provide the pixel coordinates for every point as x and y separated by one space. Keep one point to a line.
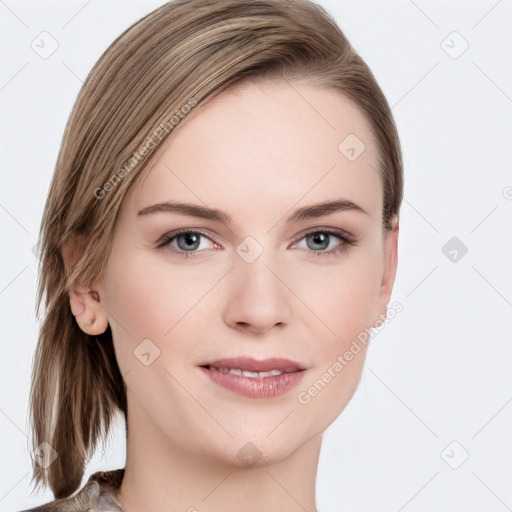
341 235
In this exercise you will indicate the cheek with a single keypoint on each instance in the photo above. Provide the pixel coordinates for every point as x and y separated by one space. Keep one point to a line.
343 296
150 298
142 308
346 302
352 304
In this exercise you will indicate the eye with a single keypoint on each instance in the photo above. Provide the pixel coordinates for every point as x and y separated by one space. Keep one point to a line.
184 242
321 239
187 243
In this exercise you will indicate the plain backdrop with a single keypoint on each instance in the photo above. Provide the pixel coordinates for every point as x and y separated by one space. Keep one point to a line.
430 426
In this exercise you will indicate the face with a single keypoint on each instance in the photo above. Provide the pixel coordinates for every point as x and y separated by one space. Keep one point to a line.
256 282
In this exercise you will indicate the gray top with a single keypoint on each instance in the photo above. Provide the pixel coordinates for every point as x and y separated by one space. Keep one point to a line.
99 494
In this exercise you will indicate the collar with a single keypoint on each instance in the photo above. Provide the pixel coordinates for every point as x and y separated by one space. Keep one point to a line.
108 482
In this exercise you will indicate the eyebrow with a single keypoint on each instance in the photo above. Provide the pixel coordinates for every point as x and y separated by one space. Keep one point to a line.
312 211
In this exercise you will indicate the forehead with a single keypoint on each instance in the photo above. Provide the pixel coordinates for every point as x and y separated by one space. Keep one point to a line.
272 144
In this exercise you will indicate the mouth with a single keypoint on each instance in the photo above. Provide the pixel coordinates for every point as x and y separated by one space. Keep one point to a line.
252 378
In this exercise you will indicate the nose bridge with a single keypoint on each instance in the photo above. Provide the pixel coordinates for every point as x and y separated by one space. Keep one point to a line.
253 266
257 297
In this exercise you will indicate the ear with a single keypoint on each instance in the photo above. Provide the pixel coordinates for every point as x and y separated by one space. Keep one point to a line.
390 266
84 301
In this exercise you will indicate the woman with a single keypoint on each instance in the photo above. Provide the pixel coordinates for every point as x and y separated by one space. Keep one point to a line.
221 227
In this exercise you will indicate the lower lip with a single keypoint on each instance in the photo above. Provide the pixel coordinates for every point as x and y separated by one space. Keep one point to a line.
256 387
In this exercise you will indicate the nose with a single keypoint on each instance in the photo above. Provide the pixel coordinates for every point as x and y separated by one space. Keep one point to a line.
258 297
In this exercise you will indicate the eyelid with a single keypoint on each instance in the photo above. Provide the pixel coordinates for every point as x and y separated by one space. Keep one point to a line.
348 237
170 235
344 237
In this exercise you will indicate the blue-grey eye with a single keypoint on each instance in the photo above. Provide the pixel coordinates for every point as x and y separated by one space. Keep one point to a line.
319 239
191 241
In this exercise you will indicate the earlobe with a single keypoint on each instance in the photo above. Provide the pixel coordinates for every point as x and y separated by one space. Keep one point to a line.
88 312
84 303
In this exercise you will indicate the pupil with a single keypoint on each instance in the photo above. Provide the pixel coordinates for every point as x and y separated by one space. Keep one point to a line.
190 239
322 239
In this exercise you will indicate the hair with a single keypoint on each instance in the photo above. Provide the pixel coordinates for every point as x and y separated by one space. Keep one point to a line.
180 55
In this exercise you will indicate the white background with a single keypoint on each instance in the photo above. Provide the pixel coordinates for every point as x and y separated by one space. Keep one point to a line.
441 370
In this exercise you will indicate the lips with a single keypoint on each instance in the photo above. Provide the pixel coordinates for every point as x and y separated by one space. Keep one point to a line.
252 378
247 364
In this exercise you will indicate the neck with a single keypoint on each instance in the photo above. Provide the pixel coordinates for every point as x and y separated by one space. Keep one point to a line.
162 475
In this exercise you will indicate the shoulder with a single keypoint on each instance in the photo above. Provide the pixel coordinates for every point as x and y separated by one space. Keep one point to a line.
98 494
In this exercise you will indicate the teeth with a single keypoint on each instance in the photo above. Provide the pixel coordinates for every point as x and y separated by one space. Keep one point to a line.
252 375
270 373
249 374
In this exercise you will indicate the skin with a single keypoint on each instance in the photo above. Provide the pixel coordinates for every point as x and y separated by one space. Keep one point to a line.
258 152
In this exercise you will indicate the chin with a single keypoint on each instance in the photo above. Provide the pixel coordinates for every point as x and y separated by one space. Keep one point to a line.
258 449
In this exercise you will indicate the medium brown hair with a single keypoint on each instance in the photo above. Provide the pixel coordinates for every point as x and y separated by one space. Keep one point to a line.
183 53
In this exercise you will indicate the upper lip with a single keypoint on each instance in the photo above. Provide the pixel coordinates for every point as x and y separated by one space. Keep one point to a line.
254 365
